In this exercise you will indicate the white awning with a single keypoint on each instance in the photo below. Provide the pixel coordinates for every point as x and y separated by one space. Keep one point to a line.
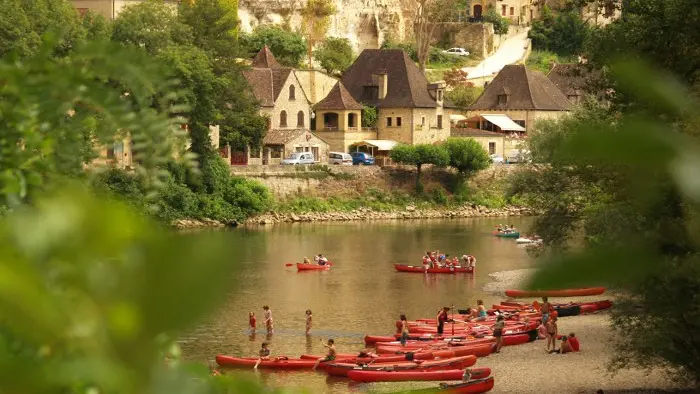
381 145
503 122
457 118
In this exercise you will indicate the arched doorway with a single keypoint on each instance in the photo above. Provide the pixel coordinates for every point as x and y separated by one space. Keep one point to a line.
477 11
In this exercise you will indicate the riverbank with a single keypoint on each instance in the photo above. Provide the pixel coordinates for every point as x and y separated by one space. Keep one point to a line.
530 369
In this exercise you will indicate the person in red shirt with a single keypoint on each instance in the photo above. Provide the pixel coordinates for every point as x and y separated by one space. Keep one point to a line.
251 321
573 341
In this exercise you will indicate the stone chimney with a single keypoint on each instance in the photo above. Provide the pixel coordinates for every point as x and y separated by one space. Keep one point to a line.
380 79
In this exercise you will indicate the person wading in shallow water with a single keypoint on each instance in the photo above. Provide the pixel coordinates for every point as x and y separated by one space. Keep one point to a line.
267 315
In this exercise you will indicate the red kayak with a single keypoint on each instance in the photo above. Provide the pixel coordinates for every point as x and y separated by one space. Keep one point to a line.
403 376
273 363
444 270
342 369
556 293
476 386
312 267
385 358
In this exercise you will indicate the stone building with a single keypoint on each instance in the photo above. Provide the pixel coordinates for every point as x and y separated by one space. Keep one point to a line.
338 120
519 12
492 142
109 8
409 109
285 104
576 81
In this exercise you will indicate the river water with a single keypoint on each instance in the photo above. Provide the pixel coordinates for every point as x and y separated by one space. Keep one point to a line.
361 294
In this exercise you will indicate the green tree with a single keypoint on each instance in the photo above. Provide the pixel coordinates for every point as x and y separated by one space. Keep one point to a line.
24 22
500 24
335 55
467 156
316 19
97 27
464 96
214 25
288 47
419 155
369 116
564 33
428 15
151 25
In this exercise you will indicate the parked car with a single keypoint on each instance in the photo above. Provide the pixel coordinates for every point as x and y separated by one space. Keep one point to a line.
457 51
299 158
339 158
362 158
497 159
519 156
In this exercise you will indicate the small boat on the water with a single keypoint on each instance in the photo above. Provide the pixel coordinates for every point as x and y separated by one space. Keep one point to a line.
436 270
475 386
556 293
507 234
313 267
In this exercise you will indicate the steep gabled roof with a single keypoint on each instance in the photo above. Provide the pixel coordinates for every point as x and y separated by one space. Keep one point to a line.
265 59
260 80
525 90
407 87
338 98
572 78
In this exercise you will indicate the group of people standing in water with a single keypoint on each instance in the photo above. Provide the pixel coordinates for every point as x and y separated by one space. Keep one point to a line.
440 260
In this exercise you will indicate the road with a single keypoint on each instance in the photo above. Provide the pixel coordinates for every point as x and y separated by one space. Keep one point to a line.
510 52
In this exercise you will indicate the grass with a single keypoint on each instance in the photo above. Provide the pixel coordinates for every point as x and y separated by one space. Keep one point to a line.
544 60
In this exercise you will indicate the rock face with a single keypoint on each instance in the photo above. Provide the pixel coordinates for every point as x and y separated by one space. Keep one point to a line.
366 23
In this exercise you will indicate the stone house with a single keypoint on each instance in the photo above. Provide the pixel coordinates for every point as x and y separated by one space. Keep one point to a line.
109 8
575 81
338 119
409 109
494 143
280 143
284 102
519 12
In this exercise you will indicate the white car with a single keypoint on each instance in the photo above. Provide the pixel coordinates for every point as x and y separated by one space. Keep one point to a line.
299 158
519 156
497 159
457 51
340 158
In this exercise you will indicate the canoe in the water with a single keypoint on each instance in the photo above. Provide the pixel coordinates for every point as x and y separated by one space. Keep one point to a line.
507 235
475 386
272 363
312 267
404 376
342 369
556 293
443 270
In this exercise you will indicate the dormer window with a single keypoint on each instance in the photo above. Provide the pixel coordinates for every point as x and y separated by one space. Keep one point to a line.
439 95
502 99
371 92
573 98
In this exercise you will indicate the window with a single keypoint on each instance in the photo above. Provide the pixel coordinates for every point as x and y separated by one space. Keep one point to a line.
398 121
300 119
300 149
388 121
351 120
520 122
439 121
492 148
512 11
314 150
502 99
371 92
422 121
283 119
276 152
292 92
110 153
439 95
503 10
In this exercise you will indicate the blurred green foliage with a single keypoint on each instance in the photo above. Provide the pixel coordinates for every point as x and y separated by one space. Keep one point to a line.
288 47
563 32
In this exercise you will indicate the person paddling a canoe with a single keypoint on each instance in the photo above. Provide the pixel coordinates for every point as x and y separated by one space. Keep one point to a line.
263 354
330 356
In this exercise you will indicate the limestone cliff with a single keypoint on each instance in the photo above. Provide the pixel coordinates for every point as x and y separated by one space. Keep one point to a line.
366 23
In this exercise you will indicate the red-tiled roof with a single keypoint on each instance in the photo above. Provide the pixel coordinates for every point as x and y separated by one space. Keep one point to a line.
338 98
265 59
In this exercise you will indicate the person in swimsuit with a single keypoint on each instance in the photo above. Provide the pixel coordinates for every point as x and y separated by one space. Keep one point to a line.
306 260
498 332
442 318
480 311
546 309
263 354
267 315
552 331
573 341
251 321
404 330
330 356
308 321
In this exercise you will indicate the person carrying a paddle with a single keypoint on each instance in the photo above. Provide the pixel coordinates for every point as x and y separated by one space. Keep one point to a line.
442 318
330 356
263 354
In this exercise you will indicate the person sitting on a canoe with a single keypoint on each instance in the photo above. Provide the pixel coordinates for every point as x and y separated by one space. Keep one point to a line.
426 260
480 311
322 260
263 354
331 353
306 260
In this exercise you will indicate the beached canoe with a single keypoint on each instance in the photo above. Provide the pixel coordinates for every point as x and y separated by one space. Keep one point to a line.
475 386
312 267
556 293
273 363
445 270
507 235
387 358
404 376
342 369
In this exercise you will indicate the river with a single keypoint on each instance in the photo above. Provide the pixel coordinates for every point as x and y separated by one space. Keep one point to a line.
361 294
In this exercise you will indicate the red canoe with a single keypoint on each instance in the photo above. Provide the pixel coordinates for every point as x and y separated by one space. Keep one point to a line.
342 369
403 376
385 358
312 267
476 386
273 363
556 293
421 270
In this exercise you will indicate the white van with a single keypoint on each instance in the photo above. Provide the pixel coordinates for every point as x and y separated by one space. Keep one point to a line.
299 158
340 158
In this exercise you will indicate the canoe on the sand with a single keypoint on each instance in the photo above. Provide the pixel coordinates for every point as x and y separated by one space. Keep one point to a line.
476 386
556 293
342 369
273 363
385 358
312 267
404 376
444 270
